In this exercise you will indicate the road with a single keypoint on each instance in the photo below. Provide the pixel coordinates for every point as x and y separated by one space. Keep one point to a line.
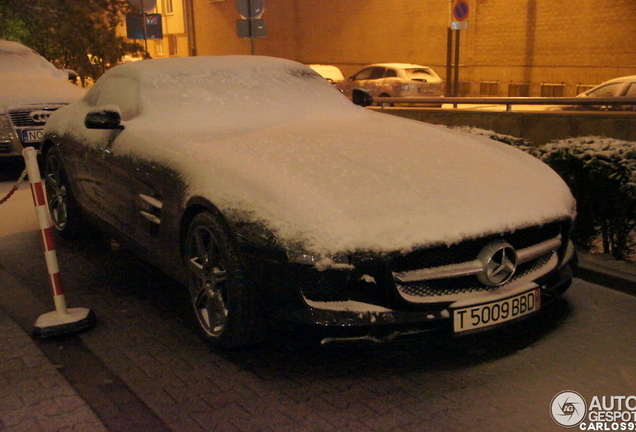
143 367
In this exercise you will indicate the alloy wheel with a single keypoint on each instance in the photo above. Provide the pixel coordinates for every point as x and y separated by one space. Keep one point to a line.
208 281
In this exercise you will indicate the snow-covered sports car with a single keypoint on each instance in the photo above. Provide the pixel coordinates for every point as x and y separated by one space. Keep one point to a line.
271 196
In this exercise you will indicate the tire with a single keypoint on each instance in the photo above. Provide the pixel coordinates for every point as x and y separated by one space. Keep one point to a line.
222 302
63 208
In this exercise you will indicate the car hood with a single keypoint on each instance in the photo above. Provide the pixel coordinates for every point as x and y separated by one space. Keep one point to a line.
367 182
30 89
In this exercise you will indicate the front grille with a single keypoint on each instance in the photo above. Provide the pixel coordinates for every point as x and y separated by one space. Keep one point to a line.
22 117
465 284
454 286
415 277
468 250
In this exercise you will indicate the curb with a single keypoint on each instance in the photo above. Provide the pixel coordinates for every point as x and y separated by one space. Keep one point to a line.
605 270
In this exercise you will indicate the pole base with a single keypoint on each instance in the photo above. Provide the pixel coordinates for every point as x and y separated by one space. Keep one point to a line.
54 323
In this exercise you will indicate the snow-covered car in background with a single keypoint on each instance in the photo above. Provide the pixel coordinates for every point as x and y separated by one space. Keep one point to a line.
31 88
328 72
271 196
394 80
614 88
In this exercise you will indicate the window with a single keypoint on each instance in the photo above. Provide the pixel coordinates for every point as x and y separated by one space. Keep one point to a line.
377 73
390 73
489 88
173 45
552 90
610 90
519 89
168 7
363 74
121 92
419 74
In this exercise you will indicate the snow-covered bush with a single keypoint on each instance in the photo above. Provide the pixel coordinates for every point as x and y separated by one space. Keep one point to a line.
601 173
520 143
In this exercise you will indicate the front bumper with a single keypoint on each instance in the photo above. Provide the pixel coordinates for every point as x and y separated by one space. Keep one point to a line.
376 312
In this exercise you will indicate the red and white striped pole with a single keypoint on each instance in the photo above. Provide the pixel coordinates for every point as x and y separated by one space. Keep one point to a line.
63 320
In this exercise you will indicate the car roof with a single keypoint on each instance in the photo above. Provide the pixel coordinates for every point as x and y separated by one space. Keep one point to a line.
14 47
619 79
399 65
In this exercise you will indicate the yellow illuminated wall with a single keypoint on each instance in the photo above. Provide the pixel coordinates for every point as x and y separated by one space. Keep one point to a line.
507 41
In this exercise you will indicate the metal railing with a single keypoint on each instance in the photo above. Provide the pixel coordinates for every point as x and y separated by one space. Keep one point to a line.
507 101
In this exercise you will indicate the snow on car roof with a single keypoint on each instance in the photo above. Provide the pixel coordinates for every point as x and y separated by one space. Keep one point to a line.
228 92
400 65
269 140
18 89
28 78
17 58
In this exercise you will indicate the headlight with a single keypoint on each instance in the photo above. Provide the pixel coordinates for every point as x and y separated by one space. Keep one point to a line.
6 131
256 233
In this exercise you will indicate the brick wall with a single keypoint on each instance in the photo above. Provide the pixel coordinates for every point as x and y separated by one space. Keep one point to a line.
508 41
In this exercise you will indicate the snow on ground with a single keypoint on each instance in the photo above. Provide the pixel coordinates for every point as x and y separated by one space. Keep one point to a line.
269 140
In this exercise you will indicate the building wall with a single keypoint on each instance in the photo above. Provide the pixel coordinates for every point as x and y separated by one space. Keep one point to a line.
507 41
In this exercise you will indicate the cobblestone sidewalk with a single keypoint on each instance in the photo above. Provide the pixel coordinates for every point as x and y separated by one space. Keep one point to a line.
34 396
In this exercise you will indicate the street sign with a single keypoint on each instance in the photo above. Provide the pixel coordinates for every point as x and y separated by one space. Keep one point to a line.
251 8
460 10
459 25
135 28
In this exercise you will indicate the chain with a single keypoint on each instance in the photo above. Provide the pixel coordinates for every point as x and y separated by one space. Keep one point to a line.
15 188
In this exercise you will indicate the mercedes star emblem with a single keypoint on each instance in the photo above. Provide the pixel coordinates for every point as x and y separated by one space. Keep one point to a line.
499 261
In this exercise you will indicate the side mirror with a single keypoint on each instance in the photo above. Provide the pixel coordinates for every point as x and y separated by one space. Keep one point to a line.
103 119
361 97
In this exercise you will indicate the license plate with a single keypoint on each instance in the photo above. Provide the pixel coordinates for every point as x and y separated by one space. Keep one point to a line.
423 90
31 135
488 314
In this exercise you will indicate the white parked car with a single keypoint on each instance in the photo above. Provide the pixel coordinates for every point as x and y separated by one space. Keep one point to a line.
31 88
614 88
328 72
271 196
394 80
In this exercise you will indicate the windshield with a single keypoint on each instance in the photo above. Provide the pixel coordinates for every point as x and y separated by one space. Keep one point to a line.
420 74
610 90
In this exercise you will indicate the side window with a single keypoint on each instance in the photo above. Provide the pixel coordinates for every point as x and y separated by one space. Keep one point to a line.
631 90
377 73
363 74
122 92
390 73
92 95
